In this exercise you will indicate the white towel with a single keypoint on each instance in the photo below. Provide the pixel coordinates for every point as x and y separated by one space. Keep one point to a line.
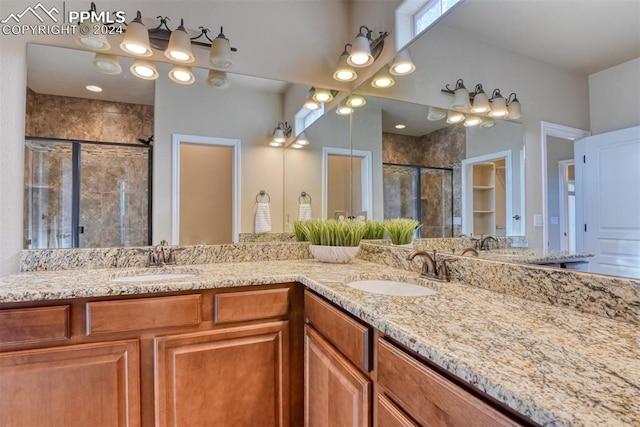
263 218
304 211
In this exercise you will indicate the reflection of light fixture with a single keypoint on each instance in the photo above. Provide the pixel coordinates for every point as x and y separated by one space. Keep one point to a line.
513 107
400 126
487 123
144 69
107 63
182 74
365 49
275 144
94 40
383 79
454 117
302 139
296 145
436 114
472 120
281 133
480 101
498 105
179 48
402 64
356 101
322 95
218 79
345 72
343 109
93 88
136 38
309 102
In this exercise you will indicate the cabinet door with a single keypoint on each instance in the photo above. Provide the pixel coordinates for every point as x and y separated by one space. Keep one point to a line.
336 393
226 377
77 385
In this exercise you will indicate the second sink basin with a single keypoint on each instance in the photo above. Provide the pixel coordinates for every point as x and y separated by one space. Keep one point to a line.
392 287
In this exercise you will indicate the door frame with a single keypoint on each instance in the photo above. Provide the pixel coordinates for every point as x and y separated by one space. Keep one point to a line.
564 207
179 138
366 176
548 129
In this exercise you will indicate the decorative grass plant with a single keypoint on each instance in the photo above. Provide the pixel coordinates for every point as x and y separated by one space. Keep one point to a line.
330 232
400 230
373 230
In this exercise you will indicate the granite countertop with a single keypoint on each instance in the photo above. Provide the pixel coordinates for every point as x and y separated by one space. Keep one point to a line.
534 256
555 365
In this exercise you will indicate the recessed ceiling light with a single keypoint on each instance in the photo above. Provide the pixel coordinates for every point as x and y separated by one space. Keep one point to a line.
93 88
400 126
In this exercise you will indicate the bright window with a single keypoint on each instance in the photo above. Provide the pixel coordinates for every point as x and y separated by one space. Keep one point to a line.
430 13
304 118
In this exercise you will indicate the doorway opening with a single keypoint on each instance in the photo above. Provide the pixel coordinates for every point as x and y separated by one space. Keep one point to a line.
567 185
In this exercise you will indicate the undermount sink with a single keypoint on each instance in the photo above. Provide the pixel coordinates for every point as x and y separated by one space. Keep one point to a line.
392 287
148 276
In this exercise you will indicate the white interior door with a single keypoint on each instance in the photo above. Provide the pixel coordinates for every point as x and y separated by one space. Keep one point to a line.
611 200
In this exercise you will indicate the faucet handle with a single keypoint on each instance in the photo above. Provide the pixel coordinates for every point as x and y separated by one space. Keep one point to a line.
443 270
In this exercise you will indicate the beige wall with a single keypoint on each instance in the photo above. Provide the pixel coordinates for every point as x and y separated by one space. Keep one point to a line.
614 97
206 182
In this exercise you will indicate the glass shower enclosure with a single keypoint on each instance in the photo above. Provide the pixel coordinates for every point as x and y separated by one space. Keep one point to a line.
422 193
86 194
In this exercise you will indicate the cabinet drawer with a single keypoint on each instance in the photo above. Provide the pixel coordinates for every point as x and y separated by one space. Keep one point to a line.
105 317
251 305
34 325
430 398
389 415
349 336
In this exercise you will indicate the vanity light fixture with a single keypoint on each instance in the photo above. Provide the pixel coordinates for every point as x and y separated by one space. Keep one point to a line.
514 110
383 79
323 95
402 65
136 38
182 74
179 48
487 122
302 140
436 114
310 103
218 79
93 88
343 109
356 101
460 96
344 72
94 40
106 63
281 133
145 69
220 53
480 101
472 120
454 117
498 105
400 126
365 49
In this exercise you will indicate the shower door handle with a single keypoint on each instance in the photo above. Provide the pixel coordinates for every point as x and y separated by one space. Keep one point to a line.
81 229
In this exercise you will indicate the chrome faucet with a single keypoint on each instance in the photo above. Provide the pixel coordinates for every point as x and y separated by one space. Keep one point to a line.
430 267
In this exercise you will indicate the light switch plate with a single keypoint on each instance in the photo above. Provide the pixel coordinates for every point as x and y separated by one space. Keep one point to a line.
554 220
537 220
457 220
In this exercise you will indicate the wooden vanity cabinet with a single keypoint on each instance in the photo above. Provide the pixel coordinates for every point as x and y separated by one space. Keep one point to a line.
212 357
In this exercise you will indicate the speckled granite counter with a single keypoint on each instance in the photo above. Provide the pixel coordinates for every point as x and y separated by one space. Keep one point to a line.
534 256
555 365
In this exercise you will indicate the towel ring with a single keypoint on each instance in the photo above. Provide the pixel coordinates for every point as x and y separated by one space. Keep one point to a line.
303 195
263 193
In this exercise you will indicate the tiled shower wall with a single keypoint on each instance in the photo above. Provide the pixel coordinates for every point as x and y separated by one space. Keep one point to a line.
114 180
443 148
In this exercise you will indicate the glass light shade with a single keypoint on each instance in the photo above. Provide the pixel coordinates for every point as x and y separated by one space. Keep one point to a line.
310 103
344 71
383 79
343 109
498 106
182 74
514 110
480 103
218 79
360 52
356 101
97 42
275 144
179 48
461 99
296 145
402 65
302 139
107 63
322 95
145 69
454 117
278 136
472 120
220 53
436 114
487 123
136 39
